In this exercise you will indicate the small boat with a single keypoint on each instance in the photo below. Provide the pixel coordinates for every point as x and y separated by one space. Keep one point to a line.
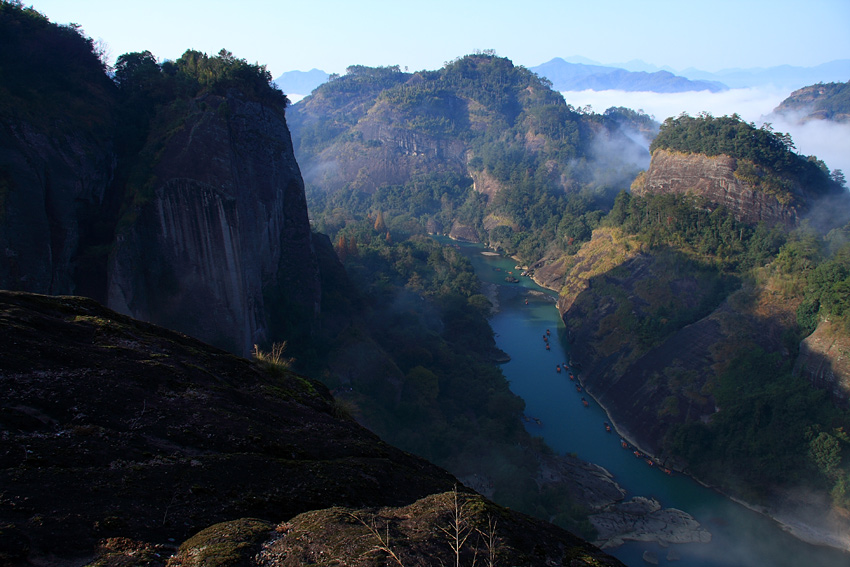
578 387
584 402
572 377
623 443
547 346
558 368
649 462
668 471
607 427
537 421
638 454
526 302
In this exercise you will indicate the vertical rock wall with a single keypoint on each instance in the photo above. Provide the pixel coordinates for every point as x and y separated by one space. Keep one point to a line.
225 229
713 178
48 182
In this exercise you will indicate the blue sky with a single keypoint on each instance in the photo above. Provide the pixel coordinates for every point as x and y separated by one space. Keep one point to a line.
333 34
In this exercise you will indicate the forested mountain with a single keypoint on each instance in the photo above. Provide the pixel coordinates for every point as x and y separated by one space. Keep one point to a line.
480 149
688 307
763 179
823 101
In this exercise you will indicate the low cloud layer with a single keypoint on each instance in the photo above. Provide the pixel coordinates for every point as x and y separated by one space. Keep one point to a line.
828 141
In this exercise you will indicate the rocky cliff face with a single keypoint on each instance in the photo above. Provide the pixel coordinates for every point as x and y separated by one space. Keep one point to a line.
379 153
52 178
825 361
226 225
714 179
167 202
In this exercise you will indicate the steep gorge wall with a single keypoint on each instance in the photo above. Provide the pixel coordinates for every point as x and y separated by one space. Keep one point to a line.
225 229
650 329
714 179
51 181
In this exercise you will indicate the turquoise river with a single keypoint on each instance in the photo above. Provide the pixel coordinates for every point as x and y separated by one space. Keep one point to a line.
740 537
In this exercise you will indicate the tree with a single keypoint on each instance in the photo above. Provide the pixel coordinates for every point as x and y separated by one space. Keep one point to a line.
342 248
826 452
459 528
135 71
380 225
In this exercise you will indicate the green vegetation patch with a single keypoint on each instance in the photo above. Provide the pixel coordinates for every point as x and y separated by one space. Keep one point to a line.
229 544
771 425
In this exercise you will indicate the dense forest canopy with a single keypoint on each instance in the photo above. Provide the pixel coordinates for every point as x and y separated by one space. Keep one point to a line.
194 72
439 393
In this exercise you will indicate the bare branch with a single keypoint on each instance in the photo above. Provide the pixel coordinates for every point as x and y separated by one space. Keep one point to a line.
383 540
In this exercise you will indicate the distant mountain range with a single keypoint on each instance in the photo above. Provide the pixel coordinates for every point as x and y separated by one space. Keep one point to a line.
784 76
301 82
578 73
566 76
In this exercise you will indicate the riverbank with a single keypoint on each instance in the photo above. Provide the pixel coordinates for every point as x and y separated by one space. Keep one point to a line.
742 534
804 514
810 518
615 519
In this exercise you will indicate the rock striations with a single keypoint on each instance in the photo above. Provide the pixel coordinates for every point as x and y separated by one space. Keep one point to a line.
713 178
227 221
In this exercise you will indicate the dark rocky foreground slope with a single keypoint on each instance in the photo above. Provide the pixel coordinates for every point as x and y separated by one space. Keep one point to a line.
121 439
